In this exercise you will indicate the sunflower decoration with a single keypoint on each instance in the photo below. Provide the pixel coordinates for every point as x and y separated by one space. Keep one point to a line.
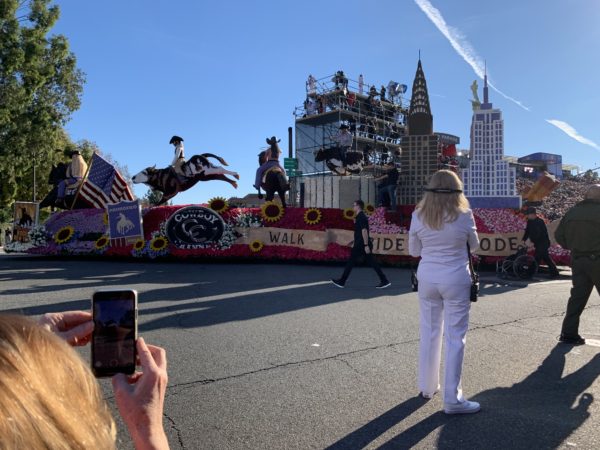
139 245
312 216
159 243
349 214
369 209
256 246
101 243
105 218
64 234
218 205
272 211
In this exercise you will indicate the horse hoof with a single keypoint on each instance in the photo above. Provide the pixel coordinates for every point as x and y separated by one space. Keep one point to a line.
234 184
236 176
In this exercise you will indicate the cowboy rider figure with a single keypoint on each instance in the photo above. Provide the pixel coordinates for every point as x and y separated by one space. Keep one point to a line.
271 164
75 172
179 157
344 140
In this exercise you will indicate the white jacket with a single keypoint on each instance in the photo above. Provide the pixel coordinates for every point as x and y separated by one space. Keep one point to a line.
443 252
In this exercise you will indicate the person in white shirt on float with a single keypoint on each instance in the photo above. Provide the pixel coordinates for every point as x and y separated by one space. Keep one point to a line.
441 226
344 140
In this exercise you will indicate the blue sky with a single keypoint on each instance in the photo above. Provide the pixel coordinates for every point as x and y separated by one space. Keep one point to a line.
226 75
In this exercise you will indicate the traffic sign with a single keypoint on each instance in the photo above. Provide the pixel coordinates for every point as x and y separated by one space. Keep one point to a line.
290 163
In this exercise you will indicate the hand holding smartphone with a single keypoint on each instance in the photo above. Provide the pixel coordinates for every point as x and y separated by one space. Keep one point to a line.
115 332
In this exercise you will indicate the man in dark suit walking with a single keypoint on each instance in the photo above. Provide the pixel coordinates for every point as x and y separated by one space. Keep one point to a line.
362 248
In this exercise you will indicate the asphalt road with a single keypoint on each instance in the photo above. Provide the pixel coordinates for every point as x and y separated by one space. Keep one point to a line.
274 357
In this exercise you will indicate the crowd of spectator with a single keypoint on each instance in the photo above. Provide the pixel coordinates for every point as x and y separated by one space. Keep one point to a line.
560 200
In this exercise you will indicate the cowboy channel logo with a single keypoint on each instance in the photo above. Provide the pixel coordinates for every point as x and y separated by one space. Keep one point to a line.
194 227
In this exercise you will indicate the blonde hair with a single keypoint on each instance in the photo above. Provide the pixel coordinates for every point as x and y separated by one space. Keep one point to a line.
50 399
436 208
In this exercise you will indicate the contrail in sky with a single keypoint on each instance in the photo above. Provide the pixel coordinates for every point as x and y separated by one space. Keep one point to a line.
462 46
572 132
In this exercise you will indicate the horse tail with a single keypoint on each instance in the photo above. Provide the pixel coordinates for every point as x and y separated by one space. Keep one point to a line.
210 155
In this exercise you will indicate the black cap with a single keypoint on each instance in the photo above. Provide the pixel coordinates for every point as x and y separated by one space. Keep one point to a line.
175 139
74 152
530 210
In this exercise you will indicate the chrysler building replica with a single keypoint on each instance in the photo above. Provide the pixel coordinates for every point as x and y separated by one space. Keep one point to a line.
419 157
489 182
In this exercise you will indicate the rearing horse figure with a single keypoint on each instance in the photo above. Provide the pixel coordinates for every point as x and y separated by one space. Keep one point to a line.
270 175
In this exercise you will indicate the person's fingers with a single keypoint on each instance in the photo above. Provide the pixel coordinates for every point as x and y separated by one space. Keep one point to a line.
72 319
146 359
120 383
132 379
79 335
160 356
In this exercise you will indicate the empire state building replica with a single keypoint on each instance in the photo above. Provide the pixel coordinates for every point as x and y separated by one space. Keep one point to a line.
489 182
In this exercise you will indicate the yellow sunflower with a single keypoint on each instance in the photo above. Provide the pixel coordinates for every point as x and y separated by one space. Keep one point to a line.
256 246
369 209
158 243
349 214
272 211
139 244
64 234
312 216
102 243
105 218
218 204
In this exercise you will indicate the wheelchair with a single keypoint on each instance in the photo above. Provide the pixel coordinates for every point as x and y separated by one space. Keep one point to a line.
520 265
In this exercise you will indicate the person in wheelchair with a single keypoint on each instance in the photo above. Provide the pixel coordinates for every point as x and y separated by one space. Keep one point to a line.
537 233
520 264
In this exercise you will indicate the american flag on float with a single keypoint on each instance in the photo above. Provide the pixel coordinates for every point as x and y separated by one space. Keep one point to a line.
104 184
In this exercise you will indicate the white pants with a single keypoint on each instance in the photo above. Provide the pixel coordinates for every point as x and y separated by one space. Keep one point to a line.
443 306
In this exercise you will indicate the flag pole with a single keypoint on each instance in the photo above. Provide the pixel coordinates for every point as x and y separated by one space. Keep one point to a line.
82 181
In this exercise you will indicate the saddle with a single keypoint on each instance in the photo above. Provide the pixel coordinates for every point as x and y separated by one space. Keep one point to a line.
270 170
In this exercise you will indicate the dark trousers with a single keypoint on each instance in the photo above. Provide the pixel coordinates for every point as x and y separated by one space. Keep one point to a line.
541 254
355 257
586 275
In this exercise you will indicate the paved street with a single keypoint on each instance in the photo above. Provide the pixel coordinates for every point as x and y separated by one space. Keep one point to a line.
274 357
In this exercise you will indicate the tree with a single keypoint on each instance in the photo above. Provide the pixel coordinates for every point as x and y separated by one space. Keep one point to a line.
40 87
152 198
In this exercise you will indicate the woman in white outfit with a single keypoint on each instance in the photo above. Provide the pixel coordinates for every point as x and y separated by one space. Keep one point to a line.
441 226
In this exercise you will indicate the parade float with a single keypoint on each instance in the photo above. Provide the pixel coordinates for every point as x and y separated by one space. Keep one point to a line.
326 175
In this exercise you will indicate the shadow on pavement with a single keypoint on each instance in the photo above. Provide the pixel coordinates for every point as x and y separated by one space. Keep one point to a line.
541 411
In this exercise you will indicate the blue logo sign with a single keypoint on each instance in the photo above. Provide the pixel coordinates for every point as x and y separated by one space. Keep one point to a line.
125 220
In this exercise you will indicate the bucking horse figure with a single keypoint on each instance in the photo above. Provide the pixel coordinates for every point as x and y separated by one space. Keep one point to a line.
352 164
198 168
57 174
270 175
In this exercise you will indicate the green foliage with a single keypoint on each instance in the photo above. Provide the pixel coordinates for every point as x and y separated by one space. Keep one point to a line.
152 198
40 87
590 175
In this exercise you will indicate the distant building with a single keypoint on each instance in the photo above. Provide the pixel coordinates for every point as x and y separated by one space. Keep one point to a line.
489 181
249 201
536 163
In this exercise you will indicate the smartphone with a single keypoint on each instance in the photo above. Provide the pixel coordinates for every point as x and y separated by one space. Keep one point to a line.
115 332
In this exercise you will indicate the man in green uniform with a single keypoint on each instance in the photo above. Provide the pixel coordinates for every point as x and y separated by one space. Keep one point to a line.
579 231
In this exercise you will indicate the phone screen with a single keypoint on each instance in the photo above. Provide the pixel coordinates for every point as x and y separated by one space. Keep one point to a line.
115 332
